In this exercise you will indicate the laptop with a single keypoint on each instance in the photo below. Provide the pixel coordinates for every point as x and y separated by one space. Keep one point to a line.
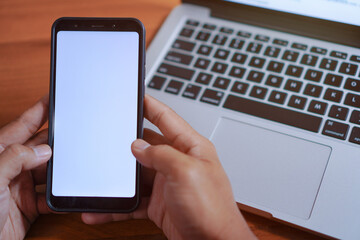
275 85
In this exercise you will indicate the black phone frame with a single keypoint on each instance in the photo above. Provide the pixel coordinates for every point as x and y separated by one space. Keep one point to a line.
95 204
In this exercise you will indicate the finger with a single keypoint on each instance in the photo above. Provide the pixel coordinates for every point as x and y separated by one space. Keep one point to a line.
99 218
26 125
148 176
182 136
39 174
41 204
40 138
162 158
17 158
154 138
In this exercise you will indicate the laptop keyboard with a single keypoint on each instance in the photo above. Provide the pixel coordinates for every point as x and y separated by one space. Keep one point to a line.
282 81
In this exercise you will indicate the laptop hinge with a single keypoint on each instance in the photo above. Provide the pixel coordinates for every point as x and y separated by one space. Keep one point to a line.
296 24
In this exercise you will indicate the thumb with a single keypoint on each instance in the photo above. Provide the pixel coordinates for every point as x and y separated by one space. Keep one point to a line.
17 158
162 158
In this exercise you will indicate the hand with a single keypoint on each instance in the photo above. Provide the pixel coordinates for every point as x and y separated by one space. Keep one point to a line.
191 195
22 166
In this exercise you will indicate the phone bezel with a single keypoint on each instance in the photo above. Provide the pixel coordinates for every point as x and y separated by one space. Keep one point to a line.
94 204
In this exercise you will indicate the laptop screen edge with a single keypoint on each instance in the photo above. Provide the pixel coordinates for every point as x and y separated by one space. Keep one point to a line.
326 30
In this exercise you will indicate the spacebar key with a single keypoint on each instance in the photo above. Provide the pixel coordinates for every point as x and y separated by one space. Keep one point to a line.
276 114
176 71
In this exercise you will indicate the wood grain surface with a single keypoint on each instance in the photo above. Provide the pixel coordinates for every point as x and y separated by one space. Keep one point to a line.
24 77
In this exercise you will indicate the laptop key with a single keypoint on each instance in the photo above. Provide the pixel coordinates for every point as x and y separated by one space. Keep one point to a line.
317 107
352 100
352 84
328 64
183 45
186 32
226 30
179 57
338 112
193 23
335 129
313 90
239 58
293 85
219 67
222 54
355 58
204 50
333 95
254 47
299 46
255 76
318 50
277 97
202 63
240 87
291 56
297 102
220 40
337 54
309 60
237 43
275 66
244 34
203 36
212 97
191 91
313 75
274 81
333 80
204 78
272 52
209 26
157 82
262 38
237 72
355 117
348 68
221 83
294 71
280 42
257 62
258 92
355 135
174 71
273 113
174 87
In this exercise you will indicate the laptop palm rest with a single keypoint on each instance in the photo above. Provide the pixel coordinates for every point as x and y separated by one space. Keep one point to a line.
255 158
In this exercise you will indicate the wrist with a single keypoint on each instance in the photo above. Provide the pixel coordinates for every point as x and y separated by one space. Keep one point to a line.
236 228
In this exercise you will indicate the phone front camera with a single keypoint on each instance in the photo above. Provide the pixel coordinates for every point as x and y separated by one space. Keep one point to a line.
114 26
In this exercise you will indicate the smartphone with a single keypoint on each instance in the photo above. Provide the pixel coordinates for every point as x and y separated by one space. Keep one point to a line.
95 113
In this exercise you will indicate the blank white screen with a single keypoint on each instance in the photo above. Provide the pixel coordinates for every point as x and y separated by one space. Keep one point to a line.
95 114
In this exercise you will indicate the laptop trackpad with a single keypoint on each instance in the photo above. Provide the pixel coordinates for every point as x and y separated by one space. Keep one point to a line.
271 169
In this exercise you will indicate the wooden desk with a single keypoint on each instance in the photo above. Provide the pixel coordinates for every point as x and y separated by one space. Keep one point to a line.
24 78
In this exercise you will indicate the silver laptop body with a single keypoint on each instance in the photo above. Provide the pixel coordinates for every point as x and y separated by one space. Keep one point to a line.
279 96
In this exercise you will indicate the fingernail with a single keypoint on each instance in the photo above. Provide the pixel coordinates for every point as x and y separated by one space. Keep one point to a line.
140 145
43 152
